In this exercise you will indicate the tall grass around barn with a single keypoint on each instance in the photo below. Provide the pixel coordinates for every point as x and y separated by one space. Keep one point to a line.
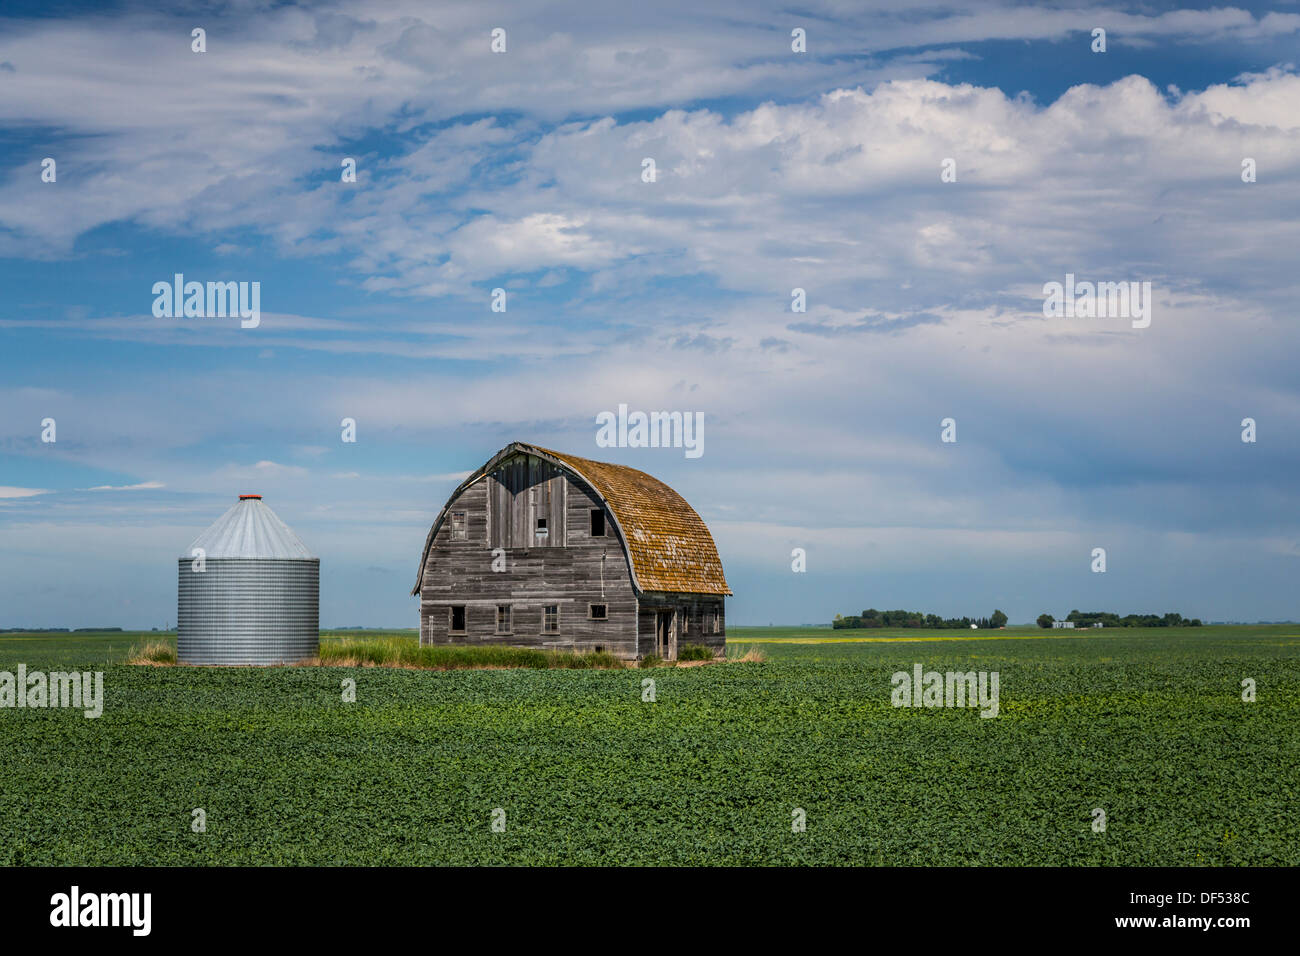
395 652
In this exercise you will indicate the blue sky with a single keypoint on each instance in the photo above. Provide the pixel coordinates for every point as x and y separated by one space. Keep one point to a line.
775 170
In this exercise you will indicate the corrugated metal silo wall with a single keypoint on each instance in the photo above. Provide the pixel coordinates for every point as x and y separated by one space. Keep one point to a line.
248 611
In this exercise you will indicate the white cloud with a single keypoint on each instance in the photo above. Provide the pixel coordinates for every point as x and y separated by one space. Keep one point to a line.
142 486
9 491
283 88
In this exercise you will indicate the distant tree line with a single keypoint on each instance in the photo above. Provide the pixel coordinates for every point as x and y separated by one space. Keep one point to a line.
873 618
1109 619
56 630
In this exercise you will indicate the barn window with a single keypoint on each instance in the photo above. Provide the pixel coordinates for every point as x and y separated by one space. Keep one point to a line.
686 622
458 618
599 612
716 619
598 522
541 527
503 618
458 532
551 619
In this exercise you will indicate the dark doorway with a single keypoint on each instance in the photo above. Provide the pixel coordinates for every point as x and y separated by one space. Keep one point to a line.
665 636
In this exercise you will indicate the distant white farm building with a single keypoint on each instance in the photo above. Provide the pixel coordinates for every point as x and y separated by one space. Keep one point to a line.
1066 624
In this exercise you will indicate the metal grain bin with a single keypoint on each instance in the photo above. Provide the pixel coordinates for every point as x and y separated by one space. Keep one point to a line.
254 595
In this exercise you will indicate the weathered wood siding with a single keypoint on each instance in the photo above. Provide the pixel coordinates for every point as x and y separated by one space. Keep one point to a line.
520 492
570 569
693 620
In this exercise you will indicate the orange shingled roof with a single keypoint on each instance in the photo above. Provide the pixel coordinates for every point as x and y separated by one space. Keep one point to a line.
670 546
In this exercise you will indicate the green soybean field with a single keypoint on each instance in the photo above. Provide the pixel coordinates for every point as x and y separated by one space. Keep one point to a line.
1176 746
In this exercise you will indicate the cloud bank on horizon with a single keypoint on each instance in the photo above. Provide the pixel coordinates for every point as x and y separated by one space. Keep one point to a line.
919 173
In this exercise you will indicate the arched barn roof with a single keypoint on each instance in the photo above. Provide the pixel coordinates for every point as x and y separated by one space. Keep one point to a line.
667 545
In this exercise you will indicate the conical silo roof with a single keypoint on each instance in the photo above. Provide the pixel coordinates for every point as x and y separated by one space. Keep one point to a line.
250 529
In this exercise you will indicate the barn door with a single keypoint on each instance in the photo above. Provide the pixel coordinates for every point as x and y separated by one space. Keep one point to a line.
666 635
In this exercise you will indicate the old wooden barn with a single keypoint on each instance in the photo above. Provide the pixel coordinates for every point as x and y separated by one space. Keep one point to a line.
542 549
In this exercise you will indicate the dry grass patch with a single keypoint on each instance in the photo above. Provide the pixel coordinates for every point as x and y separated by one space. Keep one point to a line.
408 654
154 654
